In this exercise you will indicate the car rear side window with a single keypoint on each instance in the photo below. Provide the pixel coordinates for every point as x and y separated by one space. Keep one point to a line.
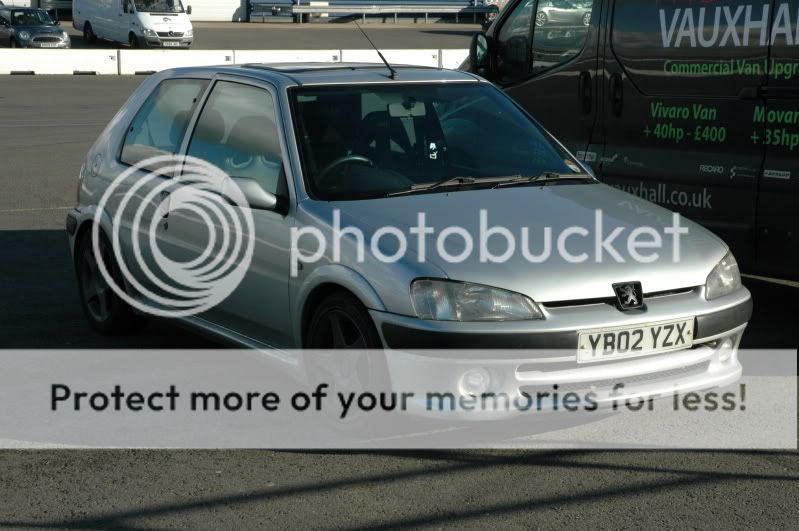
160 124
237 133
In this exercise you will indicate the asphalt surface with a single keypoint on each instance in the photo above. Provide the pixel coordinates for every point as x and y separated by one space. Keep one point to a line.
46 126
216 36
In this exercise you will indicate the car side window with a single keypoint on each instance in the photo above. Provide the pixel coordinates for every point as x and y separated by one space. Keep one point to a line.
160 124
237 132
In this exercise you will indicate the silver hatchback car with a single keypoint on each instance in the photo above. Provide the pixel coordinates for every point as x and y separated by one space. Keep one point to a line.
400 209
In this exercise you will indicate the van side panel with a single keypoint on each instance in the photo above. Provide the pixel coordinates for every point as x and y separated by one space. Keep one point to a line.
683 83
778 200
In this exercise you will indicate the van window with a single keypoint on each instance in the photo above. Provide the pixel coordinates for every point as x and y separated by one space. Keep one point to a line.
160 124
513 43
678 47
559 29
237 133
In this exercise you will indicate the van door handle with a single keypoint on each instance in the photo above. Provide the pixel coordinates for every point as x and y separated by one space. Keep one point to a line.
616 94
585 92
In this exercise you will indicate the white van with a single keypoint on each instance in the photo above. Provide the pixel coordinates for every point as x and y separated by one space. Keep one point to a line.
139 23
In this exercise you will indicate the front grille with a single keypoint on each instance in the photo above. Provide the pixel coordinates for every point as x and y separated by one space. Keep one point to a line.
612 300
688 370
168 34
46 39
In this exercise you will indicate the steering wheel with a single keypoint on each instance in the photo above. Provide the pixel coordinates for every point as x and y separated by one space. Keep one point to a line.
323 175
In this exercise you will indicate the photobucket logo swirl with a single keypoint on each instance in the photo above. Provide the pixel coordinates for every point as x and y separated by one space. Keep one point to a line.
208 206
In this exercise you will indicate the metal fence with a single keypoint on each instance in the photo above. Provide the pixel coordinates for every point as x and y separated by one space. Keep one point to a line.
301 9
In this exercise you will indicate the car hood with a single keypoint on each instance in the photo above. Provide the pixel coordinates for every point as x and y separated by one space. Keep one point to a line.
39 30
556 208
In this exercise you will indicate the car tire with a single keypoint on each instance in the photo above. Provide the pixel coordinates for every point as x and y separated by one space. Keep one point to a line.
353 373
587 19
541 19
88 34
341 321
106 312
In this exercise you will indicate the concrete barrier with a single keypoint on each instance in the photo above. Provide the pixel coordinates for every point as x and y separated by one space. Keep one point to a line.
287 56
30 61
130 62
149 61
452 59
398 57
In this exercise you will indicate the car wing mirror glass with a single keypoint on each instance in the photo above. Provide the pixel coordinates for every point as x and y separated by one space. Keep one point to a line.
188 10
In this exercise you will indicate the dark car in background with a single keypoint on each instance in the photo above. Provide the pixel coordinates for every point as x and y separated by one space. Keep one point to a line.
30 28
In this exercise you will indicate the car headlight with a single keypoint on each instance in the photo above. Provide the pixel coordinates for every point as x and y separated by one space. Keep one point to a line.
149 33
446 300
725 278
24 35
65 36
189 33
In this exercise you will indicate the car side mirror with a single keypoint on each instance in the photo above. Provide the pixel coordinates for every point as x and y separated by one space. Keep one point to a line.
188 10
257 198
480 55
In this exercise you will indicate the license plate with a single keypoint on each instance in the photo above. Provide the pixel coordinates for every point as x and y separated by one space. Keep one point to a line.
48 44
628 342
170 43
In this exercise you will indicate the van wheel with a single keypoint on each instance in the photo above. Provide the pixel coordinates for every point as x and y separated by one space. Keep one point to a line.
106 311
88 34
133 41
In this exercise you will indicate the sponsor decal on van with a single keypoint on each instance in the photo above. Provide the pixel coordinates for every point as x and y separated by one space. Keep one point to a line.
730 26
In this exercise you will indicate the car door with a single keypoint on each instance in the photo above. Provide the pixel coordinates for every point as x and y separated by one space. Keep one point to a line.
238 132
681 86
156 132
550 69
778 197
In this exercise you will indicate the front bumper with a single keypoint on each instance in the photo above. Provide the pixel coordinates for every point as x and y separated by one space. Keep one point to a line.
46 45
537 356
167 43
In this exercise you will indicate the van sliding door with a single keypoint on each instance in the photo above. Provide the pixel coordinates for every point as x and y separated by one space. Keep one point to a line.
682 84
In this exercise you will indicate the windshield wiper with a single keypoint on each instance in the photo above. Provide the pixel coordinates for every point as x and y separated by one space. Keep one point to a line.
444 183
546 177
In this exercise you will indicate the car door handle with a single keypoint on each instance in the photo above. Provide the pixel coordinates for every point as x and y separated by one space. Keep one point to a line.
616 94
585 92
164 196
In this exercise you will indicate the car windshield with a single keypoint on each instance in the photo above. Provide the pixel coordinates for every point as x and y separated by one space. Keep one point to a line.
159 6
359 142
31 17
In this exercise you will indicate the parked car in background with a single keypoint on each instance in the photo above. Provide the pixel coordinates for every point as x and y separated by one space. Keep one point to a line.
563 13
137 23
30 28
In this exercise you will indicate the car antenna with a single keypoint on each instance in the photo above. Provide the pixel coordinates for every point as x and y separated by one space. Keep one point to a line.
394 75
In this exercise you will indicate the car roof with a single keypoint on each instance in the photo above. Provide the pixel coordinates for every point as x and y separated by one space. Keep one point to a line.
299 74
